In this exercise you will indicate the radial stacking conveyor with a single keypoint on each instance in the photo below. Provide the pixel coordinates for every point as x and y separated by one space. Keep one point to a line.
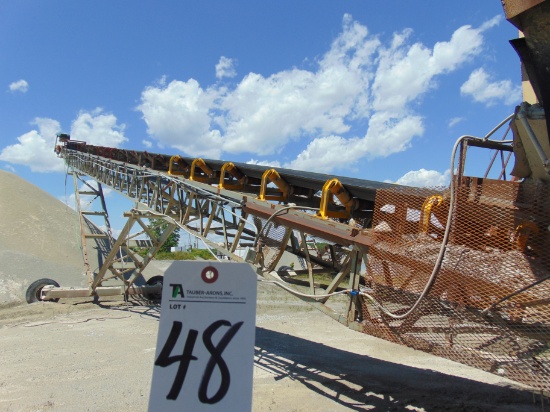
461 272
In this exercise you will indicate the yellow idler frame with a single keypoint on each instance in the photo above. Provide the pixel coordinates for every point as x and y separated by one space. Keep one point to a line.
175 159
273 176
331 188
429 204
198 162
236 173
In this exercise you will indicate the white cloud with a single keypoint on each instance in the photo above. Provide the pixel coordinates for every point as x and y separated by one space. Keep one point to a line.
10 168
19 86
483 90
425 178
98 128
495 21
147 143
325 154
225 68
265 114
386 135
455 120
178 115
405 71
262 114
264 163
36 148
359 78
390 133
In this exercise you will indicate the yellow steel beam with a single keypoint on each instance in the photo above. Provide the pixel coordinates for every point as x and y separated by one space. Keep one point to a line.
230 168
175 160
331 188
271 175
201 164
426 213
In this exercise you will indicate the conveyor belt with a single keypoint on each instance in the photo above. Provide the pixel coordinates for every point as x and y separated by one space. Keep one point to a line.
305 187
359 188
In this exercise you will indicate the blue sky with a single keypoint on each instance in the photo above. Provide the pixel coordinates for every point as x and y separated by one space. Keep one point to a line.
373 90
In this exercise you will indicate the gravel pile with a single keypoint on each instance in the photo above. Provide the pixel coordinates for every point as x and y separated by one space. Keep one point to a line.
39 238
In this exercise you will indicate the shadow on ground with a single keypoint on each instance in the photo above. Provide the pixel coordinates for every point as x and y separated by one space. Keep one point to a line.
138 305
359 382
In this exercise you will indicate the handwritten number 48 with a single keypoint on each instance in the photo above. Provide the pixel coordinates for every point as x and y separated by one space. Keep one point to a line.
166 359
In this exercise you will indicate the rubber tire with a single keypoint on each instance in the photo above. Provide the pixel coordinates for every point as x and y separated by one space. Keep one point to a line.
154 297
33 291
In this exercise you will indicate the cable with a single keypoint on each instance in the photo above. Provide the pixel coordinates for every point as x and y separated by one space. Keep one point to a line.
209 249
442 249
276 213
305 295
511 295
498 126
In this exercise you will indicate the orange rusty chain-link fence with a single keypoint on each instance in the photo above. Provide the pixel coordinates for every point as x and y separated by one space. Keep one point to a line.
489 303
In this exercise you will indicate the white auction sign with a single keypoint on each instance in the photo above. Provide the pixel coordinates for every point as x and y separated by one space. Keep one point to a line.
205 348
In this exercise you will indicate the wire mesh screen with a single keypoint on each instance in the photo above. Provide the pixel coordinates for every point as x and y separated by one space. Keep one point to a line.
488 303
273 239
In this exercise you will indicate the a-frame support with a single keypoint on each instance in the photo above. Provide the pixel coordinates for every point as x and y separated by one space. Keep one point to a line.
123 261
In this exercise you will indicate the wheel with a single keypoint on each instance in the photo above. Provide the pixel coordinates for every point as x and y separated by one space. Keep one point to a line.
35 289
152 296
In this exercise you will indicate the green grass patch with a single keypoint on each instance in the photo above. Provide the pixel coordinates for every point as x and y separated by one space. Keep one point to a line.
192 254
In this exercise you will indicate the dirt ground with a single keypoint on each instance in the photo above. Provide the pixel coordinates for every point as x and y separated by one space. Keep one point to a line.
77 356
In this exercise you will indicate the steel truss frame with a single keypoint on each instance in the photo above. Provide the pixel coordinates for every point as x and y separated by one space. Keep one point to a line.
224 220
